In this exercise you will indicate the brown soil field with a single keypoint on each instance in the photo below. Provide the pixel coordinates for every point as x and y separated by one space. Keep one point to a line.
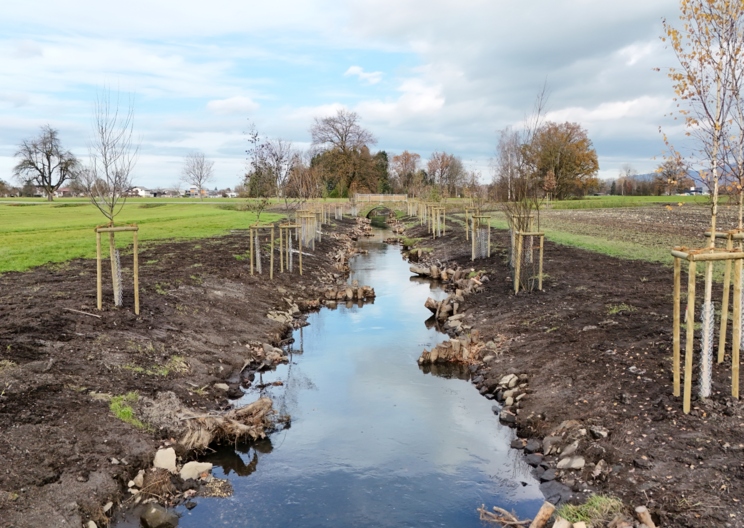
596 347
199 308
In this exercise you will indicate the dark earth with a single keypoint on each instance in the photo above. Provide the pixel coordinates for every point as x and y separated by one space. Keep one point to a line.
595 346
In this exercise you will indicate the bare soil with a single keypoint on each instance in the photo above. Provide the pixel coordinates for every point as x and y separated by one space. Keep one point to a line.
596 346
63 454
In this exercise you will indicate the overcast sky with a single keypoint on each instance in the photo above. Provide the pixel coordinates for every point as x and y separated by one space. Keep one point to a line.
423 75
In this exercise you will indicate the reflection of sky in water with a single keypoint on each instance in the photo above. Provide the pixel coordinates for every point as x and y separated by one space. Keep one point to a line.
374 441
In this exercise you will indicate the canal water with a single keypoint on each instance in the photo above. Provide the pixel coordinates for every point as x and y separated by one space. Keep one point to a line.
374 440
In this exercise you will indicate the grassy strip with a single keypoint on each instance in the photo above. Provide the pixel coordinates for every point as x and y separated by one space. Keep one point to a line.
44 233
607 202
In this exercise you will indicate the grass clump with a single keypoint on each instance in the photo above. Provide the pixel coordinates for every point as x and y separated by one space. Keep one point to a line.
6 364
597 511
120 406
410 241
618 308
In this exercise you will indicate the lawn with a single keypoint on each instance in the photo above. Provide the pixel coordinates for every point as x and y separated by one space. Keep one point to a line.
33 233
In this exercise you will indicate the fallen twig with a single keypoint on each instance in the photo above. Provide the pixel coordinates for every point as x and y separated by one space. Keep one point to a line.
81 312
505 519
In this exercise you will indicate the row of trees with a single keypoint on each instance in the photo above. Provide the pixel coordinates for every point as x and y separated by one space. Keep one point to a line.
559 160
341 162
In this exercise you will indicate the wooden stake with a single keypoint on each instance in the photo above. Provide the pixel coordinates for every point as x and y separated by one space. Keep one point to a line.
690 336
271 257
542 517
99 292
675 331
540 266
644 516
281 249
737 330
135 247
725 304
300 245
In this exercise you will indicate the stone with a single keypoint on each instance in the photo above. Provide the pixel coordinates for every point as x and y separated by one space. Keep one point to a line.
107 506
600 468
548 475
534 459
155 516
222 386
115 461
91 524
507 417
139 480
509 401
589 328
533 446
570 449
599 432
571 462
192 470
551 444
457 317
517 443
477 380
510 393
513 382
496 409
506 380
642 463
488 359
165 459
555 492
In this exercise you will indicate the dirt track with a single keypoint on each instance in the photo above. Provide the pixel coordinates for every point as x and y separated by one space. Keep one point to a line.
200 307
589 361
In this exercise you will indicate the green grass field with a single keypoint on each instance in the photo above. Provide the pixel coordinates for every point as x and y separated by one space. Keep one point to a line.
604 202
33 233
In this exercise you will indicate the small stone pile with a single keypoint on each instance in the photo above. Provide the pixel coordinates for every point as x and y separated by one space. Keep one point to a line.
363 228
463 350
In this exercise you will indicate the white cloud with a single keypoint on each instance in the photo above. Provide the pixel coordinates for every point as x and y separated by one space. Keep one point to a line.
367 77
233 105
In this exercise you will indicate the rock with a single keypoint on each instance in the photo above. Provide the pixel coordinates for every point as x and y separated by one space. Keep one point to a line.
434 272
477 380
551 444
507 417
548 475
555 492
589 328
534 459
165 459
599 432
91 524
517 443
533 446
509 381
496 409
510 393
234 392
155 516
432 305
488 359
509 401
115 461
107 506
642 463
139 480
222 386
420 270
457 317
570 449
192 470
572 462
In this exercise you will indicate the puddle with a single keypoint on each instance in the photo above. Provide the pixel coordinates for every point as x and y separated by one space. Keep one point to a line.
374 440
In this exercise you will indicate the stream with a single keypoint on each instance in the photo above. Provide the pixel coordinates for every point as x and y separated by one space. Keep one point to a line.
374 440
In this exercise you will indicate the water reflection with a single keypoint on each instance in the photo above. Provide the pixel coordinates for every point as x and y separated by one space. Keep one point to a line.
375 441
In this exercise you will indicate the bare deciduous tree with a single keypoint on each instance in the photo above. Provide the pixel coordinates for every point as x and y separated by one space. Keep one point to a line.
45 162
341 131
197 171
113 155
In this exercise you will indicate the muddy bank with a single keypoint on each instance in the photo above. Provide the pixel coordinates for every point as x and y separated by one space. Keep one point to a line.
582 370
63 453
